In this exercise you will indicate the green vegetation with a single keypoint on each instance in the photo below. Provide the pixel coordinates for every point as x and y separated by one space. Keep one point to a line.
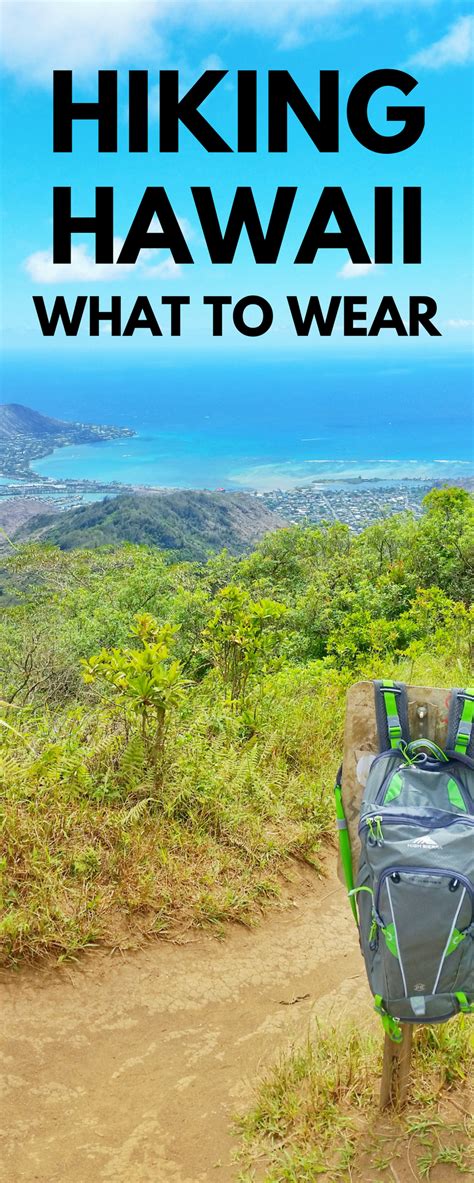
191 523
169 732
316 1115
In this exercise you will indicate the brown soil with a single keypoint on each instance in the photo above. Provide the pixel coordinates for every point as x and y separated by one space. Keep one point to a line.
128 1069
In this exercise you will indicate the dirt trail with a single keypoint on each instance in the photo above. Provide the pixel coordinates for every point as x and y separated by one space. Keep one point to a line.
127 1069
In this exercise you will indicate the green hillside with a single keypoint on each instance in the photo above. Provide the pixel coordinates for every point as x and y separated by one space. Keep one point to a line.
170 732
191 523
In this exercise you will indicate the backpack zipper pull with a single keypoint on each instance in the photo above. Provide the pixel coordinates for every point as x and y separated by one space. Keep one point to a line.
379 838
373 934
372 839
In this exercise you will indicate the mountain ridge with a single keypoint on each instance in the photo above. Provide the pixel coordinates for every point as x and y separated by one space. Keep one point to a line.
26 435
190 523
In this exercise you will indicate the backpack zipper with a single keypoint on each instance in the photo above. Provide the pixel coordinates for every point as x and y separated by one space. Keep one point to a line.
434 822
445 872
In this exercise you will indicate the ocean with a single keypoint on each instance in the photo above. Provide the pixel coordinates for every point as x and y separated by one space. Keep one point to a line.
263 425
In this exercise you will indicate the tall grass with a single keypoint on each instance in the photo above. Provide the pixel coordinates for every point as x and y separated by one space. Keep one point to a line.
316 1114
87 844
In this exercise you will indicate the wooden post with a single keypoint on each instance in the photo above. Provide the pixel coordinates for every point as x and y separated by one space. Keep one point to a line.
396 1069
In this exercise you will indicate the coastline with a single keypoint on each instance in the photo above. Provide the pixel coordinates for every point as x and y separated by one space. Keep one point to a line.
200 460
17 458
313 488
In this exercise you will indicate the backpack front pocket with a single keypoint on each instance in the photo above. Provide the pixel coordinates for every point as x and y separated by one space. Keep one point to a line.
423 916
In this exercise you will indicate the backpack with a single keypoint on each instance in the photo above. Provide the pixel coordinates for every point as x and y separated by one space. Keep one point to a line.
415 885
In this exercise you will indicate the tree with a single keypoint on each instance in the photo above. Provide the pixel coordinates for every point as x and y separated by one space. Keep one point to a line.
146 681
242 637
442 550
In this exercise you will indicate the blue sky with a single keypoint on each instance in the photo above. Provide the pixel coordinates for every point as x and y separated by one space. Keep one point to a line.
432 40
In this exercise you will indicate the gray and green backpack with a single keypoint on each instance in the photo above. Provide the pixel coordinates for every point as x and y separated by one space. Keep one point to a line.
415 885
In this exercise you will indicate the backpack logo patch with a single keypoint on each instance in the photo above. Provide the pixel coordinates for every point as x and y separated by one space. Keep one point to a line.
426 842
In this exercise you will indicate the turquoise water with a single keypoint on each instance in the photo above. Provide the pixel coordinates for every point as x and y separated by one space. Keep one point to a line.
150 460
264 426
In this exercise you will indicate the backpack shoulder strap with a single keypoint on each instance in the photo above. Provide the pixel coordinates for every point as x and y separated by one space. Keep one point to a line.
391 711
461 722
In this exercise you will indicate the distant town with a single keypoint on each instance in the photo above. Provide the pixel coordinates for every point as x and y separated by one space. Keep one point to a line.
357 502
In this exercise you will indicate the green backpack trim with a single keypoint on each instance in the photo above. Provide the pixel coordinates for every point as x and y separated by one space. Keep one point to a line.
389 699
345 848
455 797
464 1005
394 789
461 722
389 1024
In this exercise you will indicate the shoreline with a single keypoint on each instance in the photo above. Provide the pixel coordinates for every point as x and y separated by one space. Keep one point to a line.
12 486
27 436
280 476
290 487
247 471
355 503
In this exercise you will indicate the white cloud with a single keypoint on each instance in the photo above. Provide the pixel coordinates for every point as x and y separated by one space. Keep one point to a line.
352 270
83 35
460 324
454 49
41 35
83 269
212 62
167 269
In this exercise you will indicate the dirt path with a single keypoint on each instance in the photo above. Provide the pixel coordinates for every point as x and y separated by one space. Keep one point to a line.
128 1069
